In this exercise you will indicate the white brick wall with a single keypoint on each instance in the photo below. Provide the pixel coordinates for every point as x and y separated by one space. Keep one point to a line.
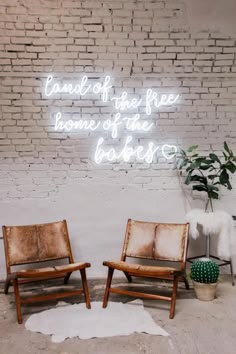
140 44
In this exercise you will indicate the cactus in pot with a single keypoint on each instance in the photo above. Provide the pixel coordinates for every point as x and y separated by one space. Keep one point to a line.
204 270
205 273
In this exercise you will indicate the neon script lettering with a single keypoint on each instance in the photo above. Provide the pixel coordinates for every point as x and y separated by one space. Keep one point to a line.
118 122
71 124
128 152
103 89
80 89
130 123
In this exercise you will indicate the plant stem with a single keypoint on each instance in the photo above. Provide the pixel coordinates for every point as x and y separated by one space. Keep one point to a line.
209 200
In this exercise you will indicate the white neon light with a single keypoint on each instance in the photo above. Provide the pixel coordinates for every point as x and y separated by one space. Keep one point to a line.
75 124
81 88
69 88
130 123
153 99
169 151
134 123
113 125
118 121
158 100
103 88
127 153
123 102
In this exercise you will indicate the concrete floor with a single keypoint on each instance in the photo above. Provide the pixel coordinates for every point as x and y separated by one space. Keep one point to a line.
198 327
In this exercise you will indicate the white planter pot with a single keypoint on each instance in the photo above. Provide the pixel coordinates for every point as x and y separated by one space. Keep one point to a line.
205 292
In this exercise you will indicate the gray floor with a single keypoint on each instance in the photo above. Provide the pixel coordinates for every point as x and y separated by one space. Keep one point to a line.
198 327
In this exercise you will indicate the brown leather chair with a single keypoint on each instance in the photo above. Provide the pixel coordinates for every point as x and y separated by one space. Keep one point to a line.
154 242
30 246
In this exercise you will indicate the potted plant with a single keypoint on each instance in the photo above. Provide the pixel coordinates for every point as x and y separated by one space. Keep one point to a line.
204 274
207 173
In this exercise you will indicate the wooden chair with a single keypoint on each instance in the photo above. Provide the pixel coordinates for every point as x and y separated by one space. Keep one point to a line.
33 244
154 242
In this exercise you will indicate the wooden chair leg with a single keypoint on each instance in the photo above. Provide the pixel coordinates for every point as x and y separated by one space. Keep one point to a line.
232 272
67 277
173 297
7 284
128 277
108 284
186 282
85 288
17 298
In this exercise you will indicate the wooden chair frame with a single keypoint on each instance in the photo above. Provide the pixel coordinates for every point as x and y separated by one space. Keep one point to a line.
172 274
29 275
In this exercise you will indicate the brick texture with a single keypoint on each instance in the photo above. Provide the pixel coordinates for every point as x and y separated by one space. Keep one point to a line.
141 44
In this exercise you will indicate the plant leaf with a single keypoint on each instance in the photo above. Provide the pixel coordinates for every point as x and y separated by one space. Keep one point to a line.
225 156
206 167
224 177
213 195
214 157
192 148
200 187
208 161
188 179
182 152
196 178
226 147
230 166
212 187
212 176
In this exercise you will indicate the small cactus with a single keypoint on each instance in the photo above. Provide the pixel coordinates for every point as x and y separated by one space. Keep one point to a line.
205 270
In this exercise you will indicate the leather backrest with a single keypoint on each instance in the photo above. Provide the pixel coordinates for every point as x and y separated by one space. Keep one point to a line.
36 243
159 241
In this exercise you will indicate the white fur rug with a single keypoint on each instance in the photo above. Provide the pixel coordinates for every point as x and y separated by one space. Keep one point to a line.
69 321
214 223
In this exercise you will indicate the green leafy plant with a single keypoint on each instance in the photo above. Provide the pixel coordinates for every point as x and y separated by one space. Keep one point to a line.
205 270
207 173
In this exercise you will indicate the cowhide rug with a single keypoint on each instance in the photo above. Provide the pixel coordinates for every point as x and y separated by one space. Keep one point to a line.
69 321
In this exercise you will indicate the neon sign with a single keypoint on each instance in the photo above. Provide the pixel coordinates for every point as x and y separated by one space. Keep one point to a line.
80 88
128 153
130 123
118 122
